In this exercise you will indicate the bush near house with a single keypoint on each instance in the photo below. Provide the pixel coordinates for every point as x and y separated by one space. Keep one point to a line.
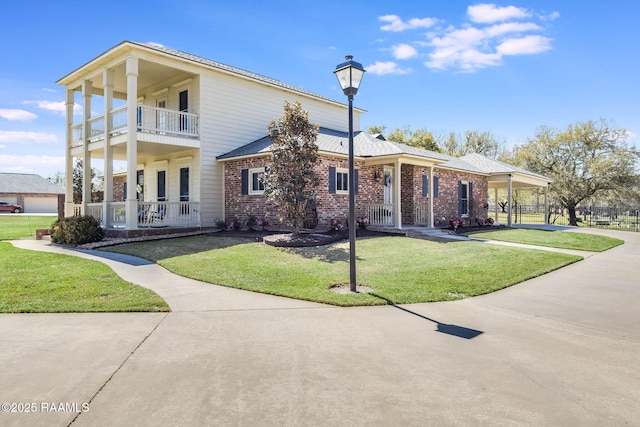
76 230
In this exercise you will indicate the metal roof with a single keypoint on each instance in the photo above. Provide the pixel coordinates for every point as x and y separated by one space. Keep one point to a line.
24 183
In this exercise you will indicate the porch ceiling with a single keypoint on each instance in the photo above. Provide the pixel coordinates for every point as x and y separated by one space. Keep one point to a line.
517 181
149 73
145 150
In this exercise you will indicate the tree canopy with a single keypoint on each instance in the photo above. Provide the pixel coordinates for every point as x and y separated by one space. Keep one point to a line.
290 181
585 160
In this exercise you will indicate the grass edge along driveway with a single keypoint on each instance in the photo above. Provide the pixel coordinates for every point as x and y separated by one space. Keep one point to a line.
64 283
553 239
401 270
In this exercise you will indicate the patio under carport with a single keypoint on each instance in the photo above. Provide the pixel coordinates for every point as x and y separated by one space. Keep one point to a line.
507 177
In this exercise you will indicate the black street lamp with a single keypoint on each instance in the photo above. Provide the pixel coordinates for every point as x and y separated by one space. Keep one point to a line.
349 74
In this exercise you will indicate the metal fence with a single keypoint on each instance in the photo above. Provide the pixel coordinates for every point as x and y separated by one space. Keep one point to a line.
619 217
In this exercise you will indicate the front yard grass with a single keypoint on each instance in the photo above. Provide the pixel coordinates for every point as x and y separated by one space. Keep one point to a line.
553 239
16 227
39 282
400 270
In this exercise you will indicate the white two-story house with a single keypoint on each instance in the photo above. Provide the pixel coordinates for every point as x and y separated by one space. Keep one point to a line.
192 133
169 114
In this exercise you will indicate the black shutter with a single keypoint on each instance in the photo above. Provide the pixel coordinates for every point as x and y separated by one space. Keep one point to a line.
425 186
332 180
459 198
245 182
435 186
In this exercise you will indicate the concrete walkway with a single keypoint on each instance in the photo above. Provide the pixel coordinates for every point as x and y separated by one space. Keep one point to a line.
561 349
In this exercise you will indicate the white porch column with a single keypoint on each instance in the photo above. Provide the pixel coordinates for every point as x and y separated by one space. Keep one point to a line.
68 163
431 196
509 201
107 80
87 88
132 143
546 204
397 202
495 190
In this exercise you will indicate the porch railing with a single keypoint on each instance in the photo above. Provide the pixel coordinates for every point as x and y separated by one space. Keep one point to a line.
380 214
148 119
150 214
163 214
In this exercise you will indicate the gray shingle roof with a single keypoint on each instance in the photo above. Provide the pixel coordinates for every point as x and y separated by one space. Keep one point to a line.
27 184
365 145
493 166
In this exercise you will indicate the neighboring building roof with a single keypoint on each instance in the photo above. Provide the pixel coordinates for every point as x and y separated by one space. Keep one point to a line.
25 183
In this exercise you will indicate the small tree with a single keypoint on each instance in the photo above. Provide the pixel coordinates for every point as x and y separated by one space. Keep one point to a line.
290 181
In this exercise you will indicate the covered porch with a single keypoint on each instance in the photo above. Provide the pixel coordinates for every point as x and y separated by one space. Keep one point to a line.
146 120
407 184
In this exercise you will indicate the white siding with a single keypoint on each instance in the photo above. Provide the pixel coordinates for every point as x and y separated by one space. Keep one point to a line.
235 112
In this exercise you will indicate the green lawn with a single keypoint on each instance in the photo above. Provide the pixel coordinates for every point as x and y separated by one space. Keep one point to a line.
39 282
554 239
16 227
399 269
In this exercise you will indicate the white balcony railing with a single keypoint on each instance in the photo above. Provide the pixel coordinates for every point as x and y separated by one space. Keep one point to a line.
154 120
380 214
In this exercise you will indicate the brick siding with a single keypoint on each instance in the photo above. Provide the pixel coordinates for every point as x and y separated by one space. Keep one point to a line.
336 206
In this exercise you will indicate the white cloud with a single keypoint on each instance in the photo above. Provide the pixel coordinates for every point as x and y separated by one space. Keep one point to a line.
382 68
31 164
489 34
550 16
57 107
473 48
404 51
17 115
488 13
524 45
22 137
396 24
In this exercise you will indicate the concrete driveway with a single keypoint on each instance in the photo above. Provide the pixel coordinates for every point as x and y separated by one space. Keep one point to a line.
562 349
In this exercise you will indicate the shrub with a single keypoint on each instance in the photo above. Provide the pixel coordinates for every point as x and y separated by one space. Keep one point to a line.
76 230
457 222
363 222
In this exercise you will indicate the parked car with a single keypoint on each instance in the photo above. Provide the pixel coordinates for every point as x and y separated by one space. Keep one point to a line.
6 206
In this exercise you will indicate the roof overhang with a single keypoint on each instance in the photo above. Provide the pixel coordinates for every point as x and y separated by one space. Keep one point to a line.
518 180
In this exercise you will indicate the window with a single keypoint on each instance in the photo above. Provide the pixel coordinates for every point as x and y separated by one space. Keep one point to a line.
342 180
162 186
339 180
184 184
257 183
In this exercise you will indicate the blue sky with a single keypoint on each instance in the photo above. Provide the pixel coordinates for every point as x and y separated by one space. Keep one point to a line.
446 66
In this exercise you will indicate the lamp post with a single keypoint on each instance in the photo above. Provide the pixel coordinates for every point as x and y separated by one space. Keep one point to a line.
349 74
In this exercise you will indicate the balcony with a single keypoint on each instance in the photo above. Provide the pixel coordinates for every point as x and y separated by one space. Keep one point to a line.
150 121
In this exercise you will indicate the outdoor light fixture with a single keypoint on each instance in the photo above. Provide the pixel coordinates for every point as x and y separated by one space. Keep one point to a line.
349 74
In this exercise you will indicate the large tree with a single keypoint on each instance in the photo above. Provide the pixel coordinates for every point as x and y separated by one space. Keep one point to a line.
473 141
420 138
290 181
585 160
